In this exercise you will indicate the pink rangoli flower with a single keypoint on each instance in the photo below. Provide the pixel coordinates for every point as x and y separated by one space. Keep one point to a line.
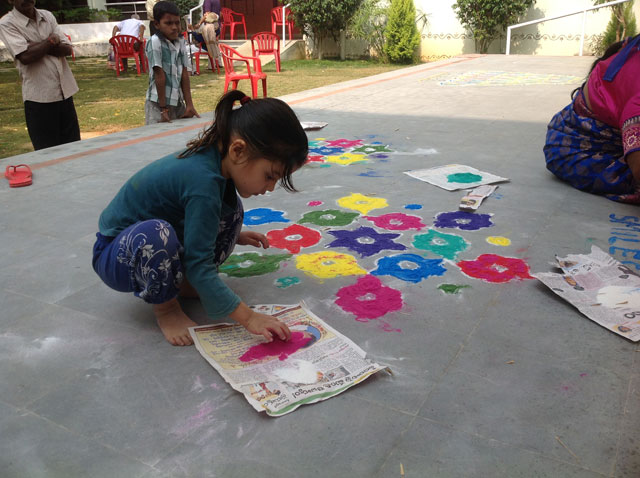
369 299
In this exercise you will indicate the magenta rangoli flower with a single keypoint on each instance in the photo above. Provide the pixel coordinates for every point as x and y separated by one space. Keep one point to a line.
369 299
343 143
397 221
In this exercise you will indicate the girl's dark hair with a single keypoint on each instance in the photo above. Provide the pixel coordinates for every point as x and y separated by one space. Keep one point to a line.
163 8
609 52
268 126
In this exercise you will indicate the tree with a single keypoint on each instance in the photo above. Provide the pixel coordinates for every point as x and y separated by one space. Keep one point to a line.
487 19
323 19
621 25
401 34
369 24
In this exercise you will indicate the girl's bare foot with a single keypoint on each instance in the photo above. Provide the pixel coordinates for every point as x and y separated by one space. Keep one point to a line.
174 323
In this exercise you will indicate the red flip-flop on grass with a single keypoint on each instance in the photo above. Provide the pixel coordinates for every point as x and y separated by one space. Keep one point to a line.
19 175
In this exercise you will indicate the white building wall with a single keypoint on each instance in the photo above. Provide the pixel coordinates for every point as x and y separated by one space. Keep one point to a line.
445 37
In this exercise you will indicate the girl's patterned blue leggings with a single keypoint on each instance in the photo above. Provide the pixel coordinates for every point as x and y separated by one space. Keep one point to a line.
145 257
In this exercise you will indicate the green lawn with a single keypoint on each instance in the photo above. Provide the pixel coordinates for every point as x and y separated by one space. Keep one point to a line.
106 104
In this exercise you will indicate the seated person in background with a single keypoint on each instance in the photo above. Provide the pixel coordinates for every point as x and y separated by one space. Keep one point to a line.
594 142
205 32
215 7
134 27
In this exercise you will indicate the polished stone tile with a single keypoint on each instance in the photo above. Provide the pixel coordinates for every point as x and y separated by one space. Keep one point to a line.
430 449
42 352
33 446
537 403
343 433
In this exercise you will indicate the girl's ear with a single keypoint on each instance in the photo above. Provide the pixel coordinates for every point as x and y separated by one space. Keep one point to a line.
238 151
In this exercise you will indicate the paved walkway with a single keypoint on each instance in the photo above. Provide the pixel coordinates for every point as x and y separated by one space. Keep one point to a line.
499 380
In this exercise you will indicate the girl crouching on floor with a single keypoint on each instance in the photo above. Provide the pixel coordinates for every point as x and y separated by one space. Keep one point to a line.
176 220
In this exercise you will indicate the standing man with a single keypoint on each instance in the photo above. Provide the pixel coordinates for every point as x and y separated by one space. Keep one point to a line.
131 26
39 48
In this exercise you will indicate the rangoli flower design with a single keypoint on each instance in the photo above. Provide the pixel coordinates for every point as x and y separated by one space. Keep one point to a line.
445 245
397 221
379 156
344 143
252 264
498 241
366 241
329 217
409 267
347 158
263 215
495 268
284 282
361 203
466 221
372 148
326 150
327 264
369 299
315 143
293 238
315 158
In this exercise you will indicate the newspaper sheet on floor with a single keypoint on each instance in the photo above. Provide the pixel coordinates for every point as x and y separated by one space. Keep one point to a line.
277 377
455 176
602 288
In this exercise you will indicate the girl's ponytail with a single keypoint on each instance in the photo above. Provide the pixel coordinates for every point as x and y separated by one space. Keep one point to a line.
218 132
222 123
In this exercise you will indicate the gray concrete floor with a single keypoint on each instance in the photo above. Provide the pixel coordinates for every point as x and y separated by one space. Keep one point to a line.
90 387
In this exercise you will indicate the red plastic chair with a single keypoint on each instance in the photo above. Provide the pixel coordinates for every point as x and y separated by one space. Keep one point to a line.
276 20
266 43
197 54
73 53
229 55
123 48
228 20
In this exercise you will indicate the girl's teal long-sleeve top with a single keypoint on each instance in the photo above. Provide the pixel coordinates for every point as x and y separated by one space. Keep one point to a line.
188 193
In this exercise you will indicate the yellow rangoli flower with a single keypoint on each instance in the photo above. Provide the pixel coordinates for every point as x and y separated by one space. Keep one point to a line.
361 203
346 158
327 264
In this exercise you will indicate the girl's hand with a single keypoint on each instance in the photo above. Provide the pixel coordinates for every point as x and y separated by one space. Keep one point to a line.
268 326
252 238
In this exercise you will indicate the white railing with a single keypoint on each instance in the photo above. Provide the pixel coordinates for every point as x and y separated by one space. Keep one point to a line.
584 20
124 4
197 7
284 23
